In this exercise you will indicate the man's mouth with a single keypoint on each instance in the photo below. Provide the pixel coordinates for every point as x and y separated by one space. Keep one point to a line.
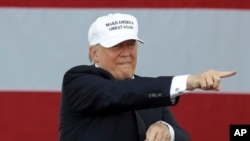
124 63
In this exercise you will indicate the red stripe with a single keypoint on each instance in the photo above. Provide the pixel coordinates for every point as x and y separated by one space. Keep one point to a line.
224 4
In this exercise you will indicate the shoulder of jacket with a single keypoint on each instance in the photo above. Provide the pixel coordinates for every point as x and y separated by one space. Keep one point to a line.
87 69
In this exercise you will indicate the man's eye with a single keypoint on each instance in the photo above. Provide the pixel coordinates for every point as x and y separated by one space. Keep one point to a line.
115 47
131 45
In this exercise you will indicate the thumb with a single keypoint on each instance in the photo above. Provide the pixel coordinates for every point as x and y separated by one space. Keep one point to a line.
227 73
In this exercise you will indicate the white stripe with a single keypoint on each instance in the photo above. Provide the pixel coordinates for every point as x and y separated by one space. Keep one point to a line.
38 45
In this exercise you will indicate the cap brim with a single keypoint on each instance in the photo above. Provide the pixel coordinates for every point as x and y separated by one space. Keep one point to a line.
118 39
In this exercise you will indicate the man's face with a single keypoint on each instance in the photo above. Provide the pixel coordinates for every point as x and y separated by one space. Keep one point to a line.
119 60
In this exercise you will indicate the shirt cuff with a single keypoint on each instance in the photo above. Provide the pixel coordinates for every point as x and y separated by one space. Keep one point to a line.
171 130
178 85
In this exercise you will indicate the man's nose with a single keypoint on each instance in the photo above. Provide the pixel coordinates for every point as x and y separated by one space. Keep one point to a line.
125 51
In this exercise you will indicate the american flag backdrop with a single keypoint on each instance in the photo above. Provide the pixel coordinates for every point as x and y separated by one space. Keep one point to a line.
40 40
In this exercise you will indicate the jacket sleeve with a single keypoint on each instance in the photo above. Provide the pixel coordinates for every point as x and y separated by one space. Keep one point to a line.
180 133
89 92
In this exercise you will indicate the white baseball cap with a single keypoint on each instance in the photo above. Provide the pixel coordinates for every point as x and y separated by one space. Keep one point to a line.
112 29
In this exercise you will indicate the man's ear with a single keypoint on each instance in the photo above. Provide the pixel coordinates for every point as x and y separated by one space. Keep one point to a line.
93 54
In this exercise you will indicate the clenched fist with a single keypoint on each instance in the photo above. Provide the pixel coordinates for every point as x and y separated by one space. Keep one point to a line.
158 132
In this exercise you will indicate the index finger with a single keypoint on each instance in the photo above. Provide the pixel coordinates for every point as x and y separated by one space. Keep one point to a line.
227 73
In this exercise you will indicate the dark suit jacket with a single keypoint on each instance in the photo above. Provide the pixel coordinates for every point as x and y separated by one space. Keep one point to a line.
96 107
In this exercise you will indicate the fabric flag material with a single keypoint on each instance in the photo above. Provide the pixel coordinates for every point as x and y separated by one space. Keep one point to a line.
40 40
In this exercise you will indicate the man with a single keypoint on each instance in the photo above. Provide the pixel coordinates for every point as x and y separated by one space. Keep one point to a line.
108 102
